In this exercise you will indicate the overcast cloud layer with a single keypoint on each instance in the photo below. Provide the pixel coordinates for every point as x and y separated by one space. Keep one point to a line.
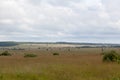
60 20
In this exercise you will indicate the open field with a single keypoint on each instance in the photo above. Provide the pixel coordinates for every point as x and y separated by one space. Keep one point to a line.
71 64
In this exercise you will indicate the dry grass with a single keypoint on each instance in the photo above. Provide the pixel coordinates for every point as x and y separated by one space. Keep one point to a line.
69 65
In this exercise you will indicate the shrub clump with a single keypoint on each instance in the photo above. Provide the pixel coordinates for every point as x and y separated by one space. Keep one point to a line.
111 56
55 54
30 55
5 53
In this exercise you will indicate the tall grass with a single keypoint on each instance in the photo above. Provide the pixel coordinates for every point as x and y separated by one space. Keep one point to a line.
64 67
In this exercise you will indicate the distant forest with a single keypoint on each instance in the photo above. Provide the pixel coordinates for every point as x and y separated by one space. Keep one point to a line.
5 44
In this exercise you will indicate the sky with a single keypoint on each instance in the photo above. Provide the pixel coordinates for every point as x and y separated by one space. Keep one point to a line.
96 21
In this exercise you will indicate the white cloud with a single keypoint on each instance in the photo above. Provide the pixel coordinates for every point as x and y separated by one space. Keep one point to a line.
6 21
56 20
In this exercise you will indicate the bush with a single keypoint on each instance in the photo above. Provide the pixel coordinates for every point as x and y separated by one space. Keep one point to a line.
5 53
55 53
111 56
30 55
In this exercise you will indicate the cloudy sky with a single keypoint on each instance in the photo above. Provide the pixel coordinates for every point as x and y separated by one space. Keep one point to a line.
60 20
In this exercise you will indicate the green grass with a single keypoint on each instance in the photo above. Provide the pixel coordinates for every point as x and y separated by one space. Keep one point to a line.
30 55
73 65
63 72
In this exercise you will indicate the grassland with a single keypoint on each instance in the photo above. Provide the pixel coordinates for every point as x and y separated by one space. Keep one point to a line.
71 64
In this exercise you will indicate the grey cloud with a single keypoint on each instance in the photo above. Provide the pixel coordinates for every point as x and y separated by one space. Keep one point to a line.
56 20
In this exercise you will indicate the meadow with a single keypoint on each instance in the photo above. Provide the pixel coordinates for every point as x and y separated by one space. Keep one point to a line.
70 64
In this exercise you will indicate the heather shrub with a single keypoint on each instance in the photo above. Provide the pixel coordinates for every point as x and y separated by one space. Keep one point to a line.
55 54
111 56
5 53
30 55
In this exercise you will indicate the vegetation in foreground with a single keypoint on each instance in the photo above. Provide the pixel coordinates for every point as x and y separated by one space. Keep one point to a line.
55 54
5 53
30 55
111 56
67 66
